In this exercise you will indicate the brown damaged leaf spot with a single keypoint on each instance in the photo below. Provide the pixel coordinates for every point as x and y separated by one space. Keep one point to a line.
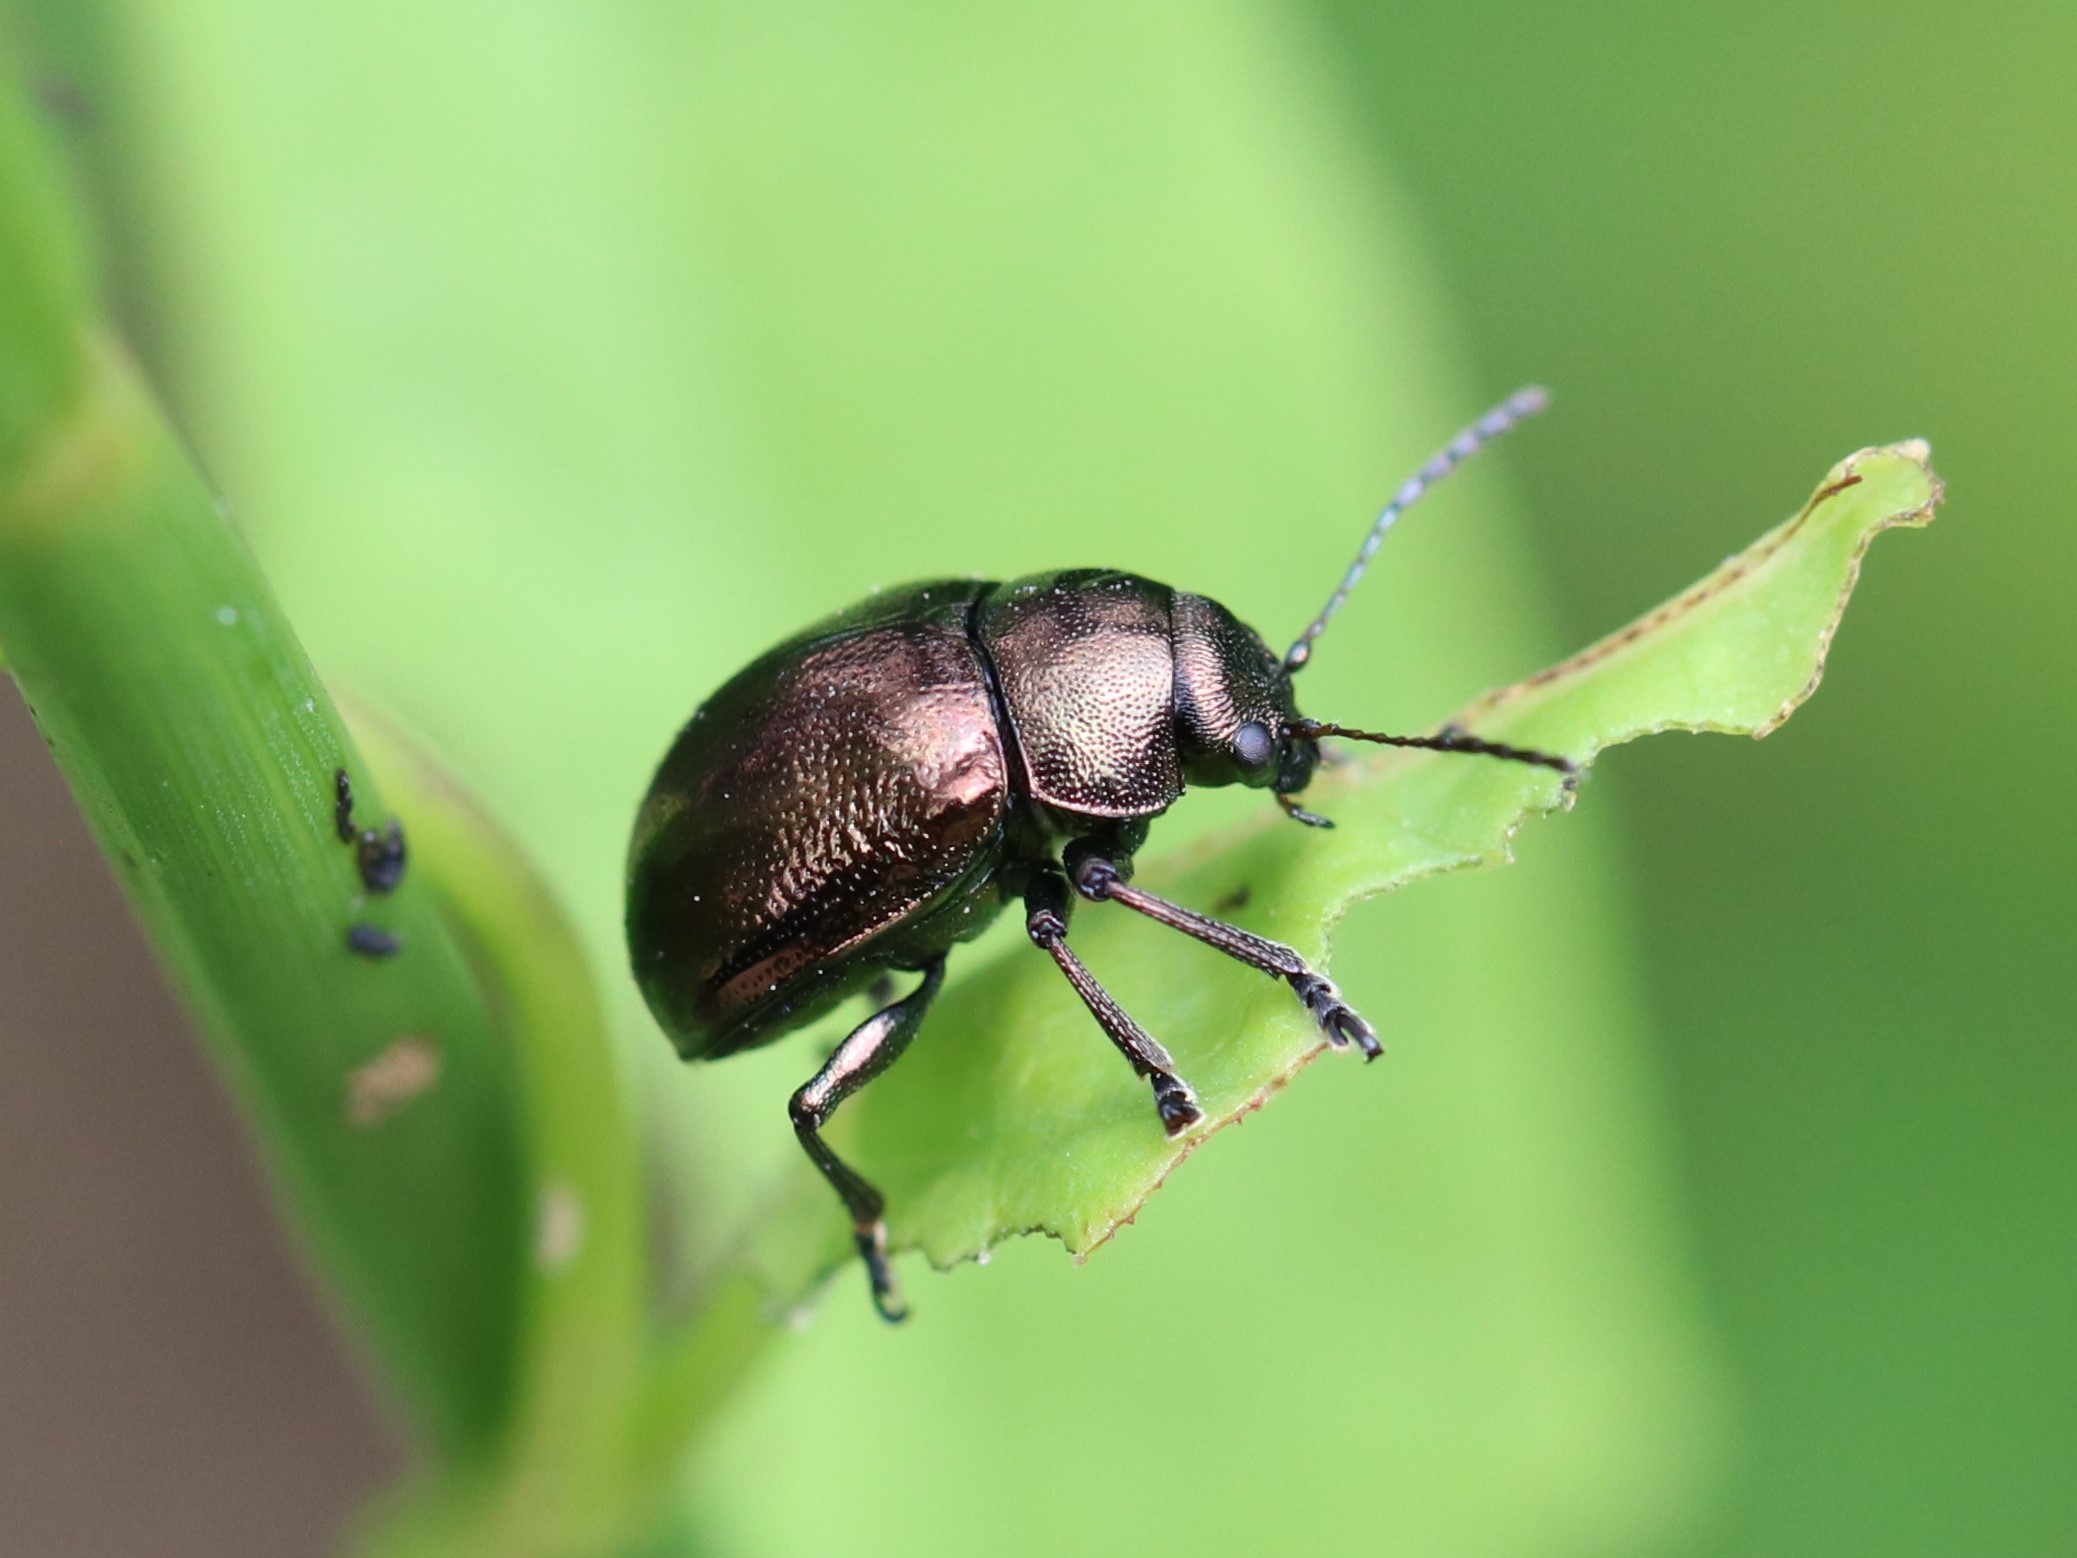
558 1227
405 1070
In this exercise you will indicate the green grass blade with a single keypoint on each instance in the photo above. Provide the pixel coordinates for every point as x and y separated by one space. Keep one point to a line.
202 748
1013 1115
447 1125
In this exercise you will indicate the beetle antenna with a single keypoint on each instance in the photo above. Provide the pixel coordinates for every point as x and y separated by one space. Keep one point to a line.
1505 417
1449 739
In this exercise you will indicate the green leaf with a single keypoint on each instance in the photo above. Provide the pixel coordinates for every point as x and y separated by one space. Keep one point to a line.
1012 1112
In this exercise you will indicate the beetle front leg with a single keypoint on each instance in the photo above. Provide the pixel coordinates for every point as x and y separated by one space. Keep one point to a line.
870 1049
1046 904
1097 878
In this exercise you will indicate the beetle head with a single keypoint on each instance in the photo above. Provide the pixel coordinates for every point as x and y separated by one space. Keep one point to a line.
1235 718
1233 703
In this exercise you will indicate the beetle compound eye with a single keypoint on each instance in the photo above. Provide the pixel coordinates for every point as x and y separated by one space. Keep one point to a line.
1254 745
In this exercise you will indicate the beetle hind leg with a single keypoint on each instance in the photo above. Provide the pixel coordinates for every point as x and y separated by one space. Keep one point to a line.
1099 878
1046 905
868 1050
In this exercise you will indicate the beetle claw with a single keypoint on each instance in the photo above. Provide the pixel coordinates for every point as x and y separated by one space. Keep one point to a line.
872 1249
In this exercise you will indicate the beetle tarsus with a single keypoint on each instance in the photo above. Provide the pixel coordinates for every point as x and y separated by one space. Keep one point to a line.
872 1249
1298 813
1176 1101
1341 1022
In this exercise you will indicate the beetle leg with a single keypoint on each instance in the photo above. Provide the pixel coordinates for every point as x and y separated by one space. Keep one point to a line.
1298 813
870 1049
1046 904
1097 878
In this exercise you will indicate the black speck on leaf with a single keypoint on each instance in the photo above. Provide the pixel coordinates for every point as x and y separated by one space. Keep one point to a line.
342 805
371 941
381 857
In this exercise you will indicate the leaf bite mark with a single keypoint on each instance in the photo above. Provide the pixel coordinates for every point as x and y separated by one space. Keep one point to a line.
1920 453
406 1069
1238 1115
1916 450
1659 617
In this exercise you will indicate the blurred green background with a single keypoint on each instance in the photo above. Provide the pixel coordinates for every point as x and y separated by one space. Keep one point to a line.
1718 1195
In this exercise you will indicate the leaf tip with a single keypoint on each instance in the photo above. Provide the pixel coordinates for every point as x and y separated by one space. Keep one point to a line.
1908 511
